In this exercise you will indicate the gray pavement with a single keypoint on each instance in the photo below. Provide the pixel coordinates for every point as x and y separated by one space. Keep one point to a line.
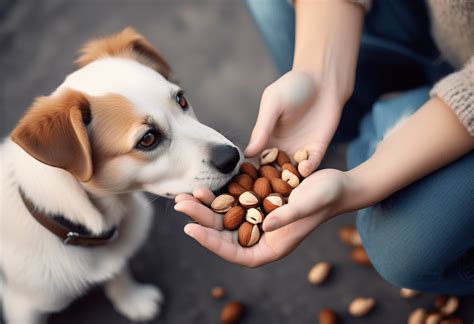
218 57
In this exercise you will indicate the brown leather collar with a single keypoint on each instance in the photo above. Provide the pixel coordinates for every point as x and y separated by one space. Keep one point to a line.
68 232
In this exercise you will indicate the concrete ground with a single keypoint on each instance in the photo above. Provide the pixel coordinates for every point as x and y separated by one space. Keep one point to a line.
220 60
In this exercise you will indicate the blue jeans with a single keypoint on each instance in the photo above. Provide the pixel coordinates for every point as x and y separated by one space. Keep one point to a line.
421 237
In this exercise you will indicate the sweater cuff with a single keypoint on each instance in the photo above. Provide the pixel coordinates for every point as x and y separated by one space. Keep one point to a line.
457 90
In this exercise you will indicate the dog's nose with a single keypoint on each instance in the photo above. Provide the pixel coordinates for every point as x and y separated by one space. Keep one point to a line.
224 158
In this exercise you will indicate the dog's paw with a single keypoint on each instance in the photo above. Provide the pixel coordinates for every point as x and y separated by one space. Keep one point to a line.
141 303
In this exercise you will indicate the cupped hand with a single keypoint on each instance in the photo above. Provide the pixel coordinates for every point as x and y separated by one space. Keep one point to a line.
314 201
297 112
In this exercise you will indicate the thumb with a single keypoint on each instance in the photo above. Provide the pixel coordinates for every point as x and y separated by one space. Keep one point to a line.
316 151
280 217
268 115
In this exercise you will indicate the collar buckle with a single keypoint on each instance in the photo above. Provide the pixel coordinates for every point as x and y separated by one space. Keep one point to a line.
71 237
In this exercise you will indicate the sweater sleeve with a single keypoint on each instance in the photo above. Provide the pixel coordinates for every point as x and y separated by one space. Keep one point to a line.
457 90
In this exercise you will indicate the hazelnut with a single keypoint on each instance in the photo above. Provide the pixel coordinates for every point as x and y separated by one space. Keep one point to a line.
327 316
217 292
232 312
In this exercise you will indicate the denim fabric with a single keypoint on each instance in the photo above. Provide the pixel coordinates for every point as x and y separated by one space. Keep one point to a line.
423 236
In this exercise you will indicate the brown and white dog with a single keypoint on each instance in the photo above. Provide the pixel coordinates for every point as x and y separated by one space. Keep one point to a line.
71 174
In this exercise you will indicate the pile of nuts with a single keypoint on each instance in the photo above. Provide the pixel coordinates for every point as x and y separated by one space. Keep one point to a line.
254 193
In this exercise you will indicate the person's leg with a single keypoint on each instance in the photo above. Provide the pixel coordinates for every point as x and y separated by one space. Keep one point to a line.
422 236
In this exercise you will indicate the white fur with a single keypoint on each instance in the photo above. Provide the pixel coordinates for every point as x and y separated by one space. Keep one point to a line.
38 273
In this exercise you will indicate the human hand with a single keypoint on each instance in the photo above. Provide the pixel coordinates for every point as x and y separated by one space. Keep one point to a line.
315 200
297 112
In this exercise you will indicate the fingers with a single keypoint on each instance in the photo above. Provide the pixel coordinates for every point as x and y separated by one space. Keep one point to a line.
268 115
221 243
316 153
182 197
204 195
280 217
200 213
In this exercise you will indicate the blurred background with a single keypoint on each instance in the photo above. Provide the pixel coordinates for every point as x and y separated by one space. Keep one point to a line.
219 58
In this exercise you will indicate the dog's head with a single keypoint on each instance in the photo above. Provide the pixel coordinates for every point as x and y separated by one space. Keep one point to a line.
119 124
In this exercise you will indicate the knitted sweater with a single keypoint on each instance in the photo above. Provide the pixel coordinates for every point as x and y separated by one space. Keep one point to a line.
452 28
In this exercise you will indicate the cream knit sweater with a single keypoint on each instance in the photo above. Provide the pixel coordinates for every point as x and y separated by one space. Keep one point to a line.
452 28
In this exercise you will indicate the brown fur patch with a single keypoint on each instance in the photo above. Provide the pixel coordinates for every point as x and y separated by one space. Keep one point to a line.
53 132
128 43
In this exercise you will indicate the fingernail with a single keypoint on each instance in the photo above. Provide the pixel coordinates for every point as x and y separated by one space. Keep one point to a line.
271 224
188 232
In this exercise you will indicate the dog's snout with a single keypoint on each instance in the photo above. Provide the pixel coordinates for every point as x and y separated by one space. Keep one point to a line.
224 158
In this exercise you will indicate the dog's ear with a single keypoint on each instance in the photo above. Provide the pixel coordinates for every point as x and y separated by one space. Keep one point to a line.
54 132
127 43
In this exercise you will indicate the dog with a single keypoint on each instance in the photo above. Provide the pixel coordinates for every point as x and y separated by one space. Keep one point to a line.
73 172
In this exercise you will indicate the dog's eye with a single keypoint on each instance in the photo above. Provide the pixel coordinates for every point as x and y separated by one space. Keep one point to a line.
149 140
181 100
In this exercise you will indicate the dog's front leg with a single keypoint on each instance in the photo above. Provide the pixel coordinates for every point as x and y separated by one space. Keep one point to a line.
136 301
18 308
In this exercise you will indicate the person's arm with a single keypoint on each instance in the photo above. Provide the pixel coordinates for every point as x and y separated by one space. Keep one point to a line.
302 109
430 139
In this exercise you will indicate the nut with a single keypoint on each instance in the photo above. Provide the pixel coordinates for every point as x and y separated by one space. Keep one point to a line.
233 218
451 306
268 156
221 204
254 216
290 167
361 306
269 172
249 199
282 158
440 301
249 234
418 316
272 202
359 256
327 316
290 178
244 180
452 320
281 187
250 169
300 155
232 312
262 187
217 292
319 273
408 293
235 189
433 318
350 236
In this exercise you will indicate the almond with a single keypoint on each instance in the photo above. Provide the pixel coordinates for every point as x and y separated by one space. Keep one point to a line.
244 180
349 235
361 306
272 202
282 158
327 316
234 218
418 316
269 172
232 312
433 318
217 292
290 167
319 273
249 199
440 301
290 178
300 155
235 189
408 293
249 234
359 256
254 216
268 156
221 204
281 187
250 169
452 320
451 306
262 187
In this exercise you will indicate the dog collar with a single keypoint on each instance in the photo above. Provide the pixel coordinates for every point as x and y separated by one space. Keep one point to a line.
68 232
